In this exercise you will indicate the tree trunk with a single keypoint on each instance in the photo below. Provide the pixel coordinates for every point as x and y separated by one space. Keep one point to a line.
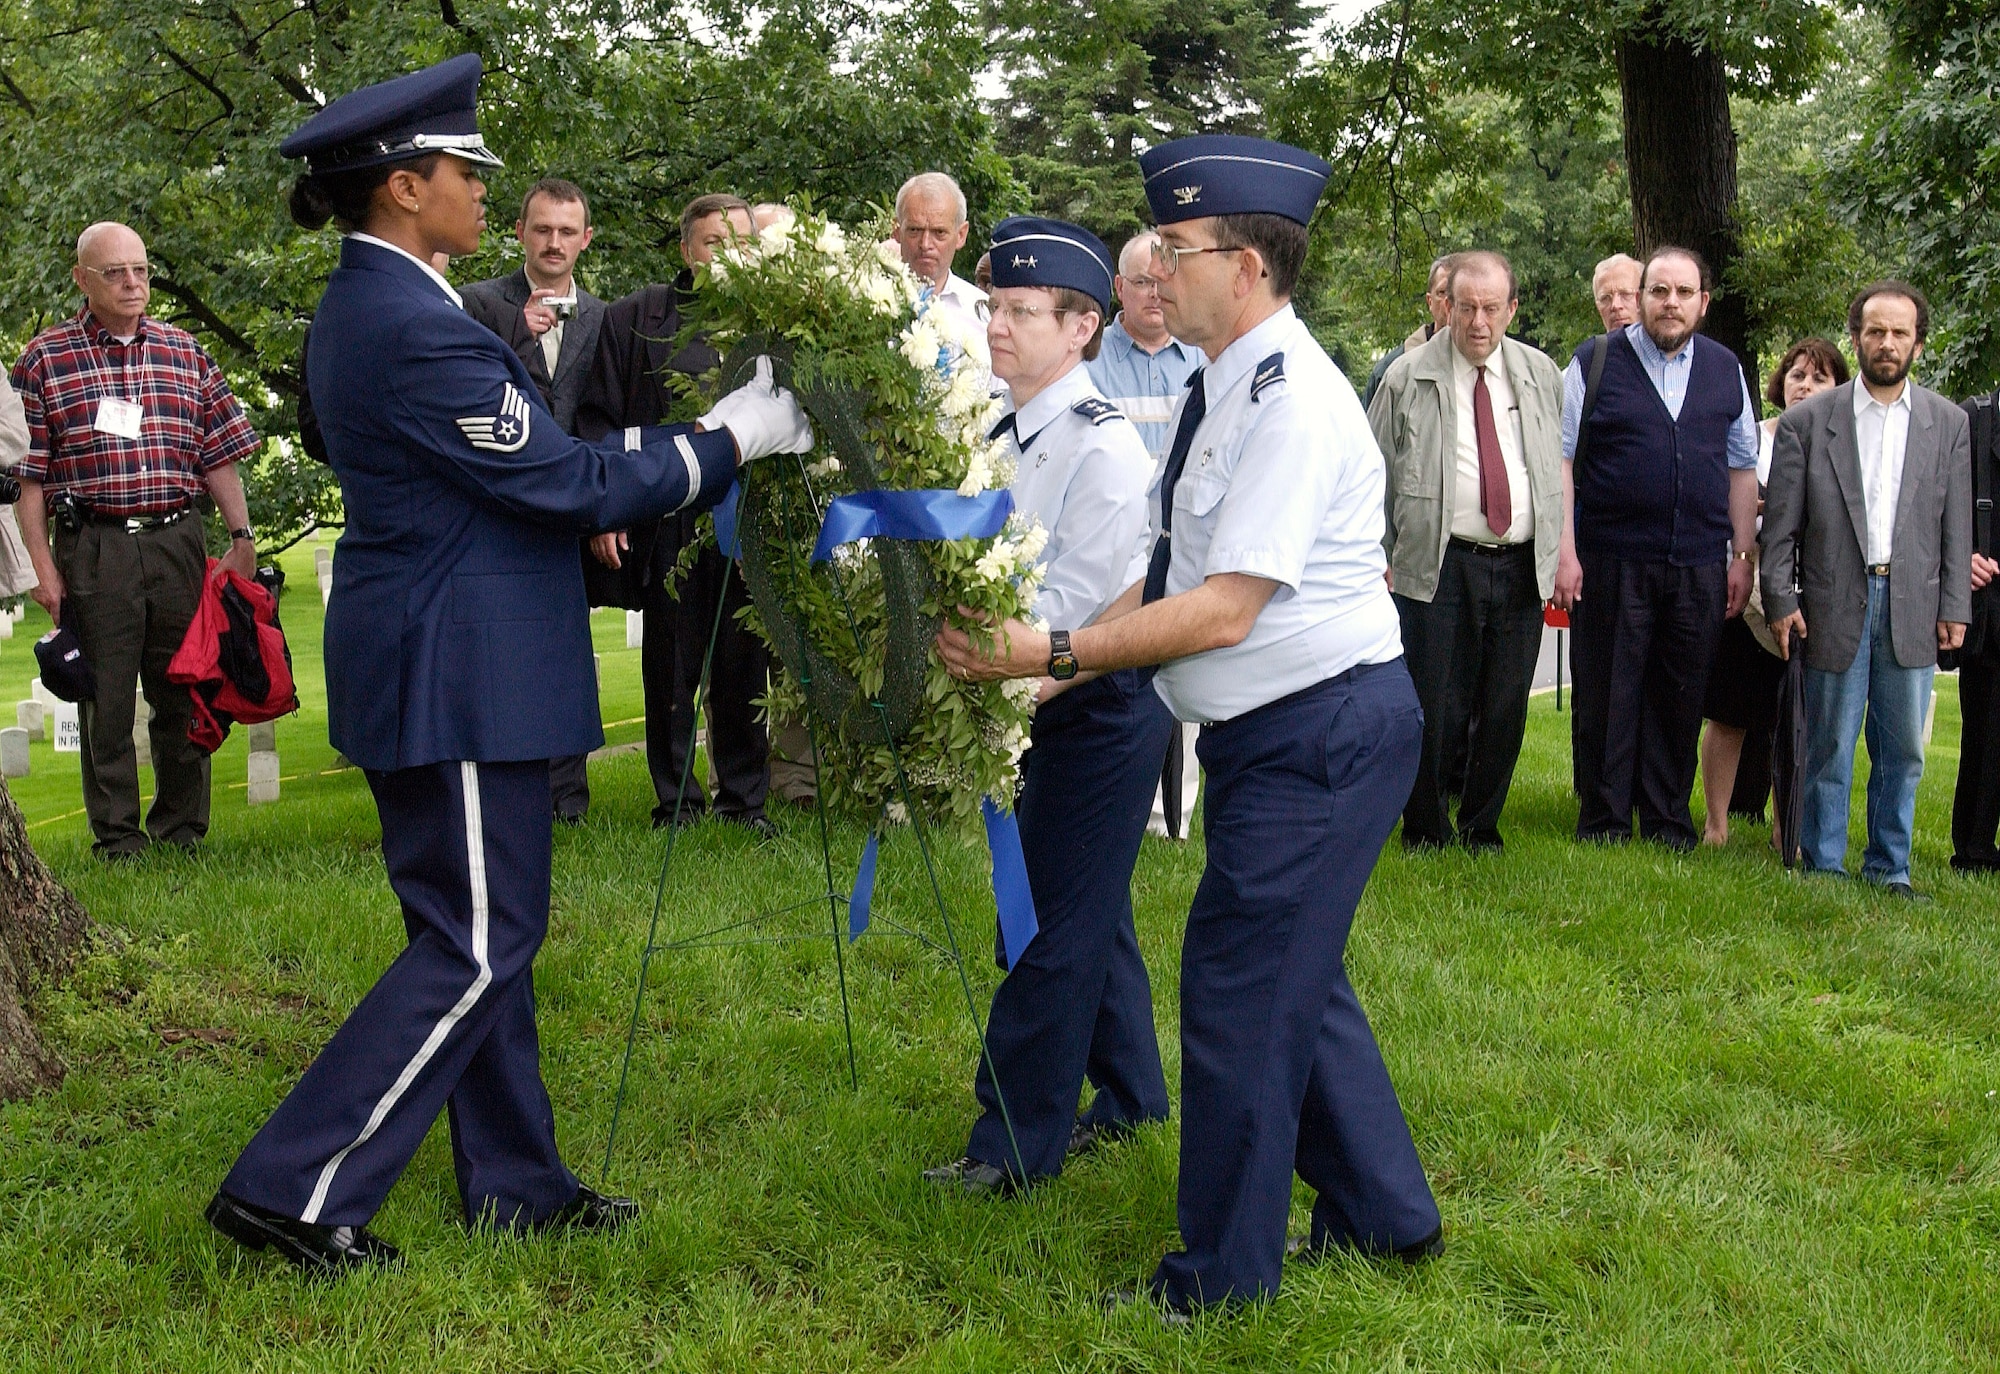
41 926
1680 157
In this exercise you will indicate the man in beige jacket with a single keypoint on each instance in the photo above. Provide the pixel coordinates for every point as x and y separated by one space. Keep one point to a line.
1470 425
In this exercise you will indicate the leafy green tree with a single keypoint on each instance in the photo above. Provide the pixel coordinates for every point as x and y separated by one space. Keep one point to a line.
1083 88
168 115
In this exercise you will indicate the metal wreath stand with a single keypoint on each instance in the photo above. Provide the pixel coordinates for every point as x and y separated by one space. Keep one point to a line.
835 704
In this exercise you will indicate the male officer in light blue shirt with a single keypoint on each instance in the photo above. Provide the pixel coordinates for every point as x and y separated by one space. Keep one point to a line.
1265 606
1077 1003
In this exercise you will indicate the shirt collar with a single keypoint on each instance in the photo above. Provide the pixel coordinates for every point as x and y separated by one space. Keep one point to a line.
1649 352
428 270
1118 333
1462 367
1058 396
1864 398
104 337
1237 359
960 292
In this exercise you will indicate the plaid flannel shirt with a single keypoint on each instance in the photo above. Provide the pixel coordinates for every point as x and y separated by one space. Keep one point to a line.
191 421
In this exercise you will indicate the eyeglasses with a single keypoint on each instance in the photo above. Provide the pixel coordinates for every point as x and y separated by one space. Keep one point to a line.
1020 314
1169 256
1141 283
120 273
1660 291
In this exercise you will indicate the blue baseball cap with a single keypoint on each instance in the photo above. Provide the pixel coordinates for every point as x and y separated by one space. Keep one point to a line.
1050 252
1229 174
431 111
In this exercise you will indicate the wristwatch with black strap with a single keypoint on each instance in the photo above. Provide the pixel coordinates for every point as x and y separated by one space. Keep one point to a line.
1062 660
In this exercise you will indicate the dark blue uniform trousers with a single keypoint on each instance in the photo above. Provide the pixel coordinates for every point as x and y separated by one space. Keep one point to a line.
1279 1070
1078 1002
451 1024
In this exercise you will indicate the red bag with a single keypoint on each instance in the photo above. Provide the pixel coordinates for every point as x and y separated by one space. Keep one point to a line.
234 662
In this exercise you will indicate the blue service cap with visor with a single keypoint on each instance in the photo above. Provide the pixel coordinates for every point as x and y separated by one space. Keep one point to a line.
1230 174
1028 251
431 111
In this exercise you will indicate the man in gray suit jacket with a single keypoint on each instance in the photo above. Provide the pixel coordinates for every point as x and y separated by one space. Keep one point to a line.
551 323
1867 540
1470 427
538 309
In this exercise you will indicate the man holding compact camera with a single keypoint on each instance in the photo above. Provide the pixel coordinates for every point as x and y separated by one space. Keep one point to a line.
551 323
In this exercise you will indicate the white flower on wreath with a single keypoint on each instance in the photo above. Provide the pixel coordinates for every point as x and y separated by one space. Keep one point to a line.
775 239
997 563
1031 546
922 344
890 254
978 475
832 240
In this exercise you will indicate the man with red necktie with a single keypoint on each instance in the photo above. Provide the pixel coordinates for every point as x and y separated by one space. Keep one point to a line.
1470 426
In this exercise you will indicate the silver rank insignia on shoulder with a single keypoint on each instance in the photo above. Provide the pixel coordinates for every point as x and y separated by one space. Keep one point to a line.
1269 372
506 432
1097 410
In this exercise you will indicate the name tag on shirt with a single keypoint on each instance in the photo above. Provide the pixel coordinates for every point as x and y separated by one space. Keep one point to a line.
118 416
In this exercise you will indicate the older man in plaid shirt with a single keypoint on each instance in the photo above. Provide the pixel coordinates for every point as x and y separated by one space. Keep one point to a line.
130 422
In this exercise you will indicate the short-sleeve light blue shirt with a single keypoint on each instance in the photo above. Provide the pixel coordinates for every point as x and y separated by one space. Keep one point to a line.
1669 377
1084 474
1283 481
1144 385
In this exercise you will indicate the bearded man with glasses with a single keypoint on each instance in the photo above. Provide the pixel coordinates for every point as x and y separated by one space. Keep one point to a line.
130 425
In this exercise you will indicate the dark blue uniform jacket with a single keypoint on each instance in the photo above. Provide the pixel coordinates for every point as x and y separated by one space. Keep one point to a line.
457 627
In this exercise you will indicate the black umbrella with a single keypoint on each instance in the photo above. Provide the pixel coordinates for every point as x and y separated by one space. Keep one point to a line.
1788 752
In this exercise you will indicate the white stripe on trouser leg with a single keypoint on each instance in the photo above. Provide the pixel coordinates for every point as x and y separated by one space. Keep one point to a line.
475 864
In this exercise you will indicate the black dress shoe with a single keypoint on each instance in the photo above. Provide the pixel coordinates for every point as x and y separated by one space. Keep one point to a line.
1086 1136
569 818
757 824
1976 863
974 1177
591 1210
1301 1249
323 1250
665 817
1907 893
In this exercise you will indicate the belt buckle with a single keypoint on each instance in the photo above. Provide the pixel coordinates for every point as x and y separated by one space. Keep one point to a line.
134 524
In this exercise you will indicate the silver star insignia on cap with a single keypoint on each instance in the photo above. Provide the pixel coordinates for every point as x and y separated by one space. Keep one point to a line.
506 432
1020 261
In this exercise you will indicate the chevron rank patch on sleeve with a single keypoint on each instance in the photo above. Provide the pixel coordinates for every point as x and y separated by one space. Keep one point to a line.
1269 372
1097 410
506 432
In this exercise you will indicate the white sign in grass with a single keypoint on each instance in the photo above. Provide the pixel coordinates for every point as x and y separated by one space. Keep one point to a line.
64 728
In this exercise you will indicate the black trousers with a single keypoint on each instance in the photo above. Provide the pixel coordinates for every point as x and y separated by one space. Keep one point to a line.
1643 639
676 640
1975 806
1471 650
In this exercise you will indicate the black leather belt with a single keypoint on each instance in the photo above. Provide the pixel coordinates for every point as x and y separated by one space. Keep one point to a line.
1878 569
134 524
1490 550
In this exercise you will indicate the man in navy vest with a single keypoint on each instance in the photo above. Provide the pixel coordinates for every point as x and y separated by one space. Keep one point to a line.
1665 490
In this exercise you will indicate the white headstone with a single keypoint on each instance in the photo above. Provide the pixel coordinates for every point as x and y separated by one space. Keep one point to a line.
263 778
32 716
264 737
64 728
7 626
39 690
323 560
13 752
635 629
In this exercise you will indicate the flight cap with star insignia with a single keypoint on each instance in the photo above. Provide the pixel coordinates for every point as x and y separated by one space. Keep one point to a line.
1028 251
431 111
1230 174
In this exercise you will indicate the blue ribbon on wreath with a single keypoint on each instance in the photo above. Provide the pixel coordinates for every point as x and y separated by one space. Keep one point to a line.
934 514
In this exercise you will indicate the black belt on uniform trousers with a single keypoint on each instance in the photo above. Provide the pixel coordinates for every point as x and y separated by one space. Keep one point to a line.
133 524
1490 550
1878 569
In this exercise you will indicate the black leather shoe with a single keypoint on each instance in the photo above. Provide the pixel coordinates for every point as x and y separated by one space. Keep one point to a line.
1302 1250
679 820
1120 1299
759 825
1907 893
569 818
1976 863
591 1210
1086 1136
324 1250
974 1177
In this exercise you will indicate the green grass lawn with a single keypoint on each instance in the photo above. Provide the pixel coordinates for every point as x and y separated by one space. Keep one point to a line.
1681 1113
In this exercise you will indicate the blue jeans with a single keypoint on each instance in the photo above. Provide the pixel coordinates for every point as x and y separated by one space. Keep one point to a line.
1894 699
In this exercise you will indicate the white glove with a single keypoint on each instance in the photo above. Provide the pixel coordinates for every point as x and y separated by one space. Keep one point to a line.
762 417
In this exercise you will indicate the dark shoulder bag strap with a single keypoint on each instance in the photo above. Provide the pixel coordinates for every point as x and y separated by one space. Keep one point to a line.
1591 386
1982 473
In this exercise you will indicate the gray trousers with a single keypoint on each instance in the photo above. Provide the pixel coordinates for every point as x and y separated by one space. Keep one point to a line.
130 598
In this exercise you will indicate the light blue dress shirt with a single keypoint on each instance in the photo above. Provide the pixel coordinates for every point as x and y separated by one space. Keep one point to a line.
1670 379
1283 481
1146 386
1084 476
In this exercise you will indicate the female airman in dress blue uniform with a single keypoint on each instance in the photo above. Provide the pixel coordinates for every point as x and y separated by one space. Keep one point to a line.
458 662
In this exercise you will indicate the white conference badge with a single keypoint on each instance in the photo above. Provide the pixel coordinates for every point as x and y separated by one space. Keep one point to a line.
116 415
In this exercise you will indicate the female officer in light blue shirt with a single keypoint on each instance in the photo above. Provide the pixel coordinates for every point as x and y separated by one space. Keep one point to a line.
1077 1002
